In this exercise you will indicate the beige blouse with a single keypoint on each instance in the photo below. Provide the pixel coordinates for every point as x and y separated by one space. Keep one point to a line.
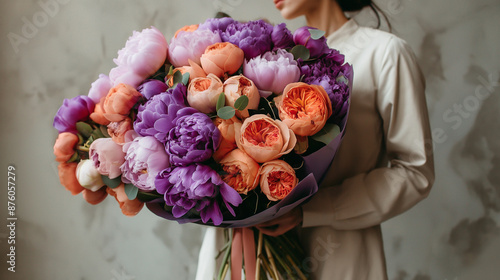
384 165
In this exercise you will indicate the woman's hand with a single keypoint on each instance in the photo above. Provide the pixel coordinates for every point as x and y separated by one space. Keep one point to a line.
282 224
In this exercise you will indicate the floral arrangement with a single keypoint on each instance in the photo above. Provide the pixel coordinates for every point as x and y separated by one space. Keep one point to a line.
225 125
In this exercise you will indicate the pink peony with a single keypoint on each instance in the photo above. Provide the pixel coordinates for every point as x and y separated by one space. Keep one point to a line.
107 157
190 45
100 88
144 53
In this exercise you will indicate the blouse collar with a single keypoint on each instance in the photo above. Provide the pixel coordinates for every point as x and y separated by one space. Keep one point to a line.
343 32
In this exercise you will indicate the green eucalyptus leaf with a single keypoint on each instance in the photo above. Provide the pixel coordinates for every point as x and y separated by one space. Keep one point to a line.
170 70
221 101
221 15
74 157
131 191
226 112
185 78
112 183
316 33
104 131
300 51
342 79
241 103
84 129
327 134
177 77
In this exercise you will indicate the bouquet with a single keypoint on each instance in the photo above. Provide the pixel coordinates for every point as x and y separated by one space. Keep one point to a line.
231 124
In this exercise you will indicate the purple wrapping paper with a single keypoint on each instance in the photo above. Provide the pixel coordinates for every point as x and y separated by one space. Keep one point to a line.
316 165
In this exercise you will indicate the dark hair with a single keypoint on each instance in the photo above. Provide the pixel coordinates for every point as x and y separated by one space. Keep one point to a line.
356 5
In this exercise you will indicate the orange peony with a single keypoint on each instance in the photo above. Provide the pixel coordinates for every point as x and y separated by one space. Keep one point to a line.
194 70
67 176
129 207
241 171
227 130
187 28
221 58
119 101
98 114
117 130
264 139
64 148
95 197
277 179
304 108
202 93
237 86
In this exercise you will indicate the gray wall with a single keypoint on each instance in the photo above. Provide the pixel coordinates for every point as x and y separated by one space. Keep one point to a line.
454 234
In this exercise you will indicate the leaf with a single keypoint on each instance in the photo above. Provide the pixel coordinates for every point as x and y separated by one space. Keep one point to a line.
177 78
316 33
221 101
301 145
266 105
131 191
221 15
327 134
84 129
300 51
185 78
104 131
226 112
170 70
342 79
148 196
112 183
241 103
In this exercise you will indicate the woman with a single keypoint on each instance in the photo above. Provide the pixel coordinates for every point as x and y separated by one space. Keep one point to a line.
384 165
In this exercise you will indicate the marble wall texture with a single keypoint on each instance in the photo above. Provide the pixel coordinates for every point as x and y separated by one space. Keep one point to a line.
59 47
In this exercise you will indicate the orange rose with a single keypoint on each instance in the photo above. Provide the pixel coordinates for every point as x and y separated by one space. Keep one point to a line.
98 114
117 130
202 93
119 101
227 130
277 179
67 176
221 58
194 70
242 172
64 148
304 108
264 139
95 197
187 28
129 207
237 86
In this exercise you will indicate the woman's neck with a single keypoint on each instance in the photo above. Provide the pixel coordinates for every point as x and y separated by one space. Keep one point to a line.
327 16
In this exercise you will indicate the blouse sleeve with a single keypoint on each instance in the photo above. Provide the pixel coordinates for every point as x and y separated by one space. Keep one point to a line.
370 198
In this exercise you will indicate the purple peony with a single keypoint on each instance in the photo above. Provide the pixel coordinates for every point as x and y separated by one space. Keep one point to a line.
334 76
216 24
271 72
193 138
282 37
253 37
145 157
317 47
72 111
155 117
152 87
196 187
